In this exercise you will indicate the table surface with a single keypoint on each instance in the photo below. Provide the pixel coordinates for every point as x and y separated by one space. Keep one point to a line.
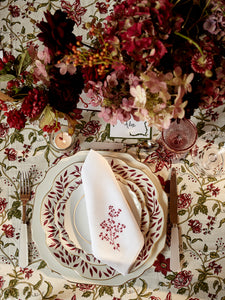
201 210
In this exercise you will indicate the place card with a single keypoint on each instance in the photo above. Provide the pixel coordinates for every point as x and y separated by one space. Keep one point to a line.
131 129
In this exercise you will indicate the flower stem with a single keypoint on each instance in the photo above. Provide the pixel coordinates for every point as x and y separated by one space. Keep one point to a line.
190 41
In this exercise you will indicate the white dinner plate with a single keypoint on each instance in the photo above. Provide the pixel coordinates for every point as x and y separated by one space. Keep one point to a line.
58 185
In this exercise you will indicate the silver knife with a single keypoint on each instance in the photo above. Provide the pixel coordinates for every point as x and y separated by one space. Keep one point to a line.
174 244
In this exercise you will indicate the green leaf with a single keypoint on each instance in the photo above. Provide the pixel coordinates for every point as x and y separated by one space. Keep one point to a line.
14 292
25 290
204 209
89 139
221 222
13 282
22 30
16 136
144 286
182 212
42 265
195 240
86 294
214 255
183 169
40 148
181 291
131 283
205 248
204 286
6 77
38 284
201 277
49 289
170 277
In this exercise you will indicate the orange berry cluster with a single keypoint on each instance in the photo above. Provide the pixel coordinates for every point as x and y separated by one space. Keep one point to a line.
85 58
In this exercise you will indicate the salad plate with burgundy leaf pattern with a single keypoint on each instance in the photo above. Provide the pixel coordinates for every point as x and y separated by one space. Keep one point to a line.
60 227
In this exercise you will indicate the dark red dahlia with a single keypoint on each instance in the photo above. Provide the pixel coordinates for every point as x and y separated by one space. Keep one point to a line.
65 90
56 33
34 103
15 119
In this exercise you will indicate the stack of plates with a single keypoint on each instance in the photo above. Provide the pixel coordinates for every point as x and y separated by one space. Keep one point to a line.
60 225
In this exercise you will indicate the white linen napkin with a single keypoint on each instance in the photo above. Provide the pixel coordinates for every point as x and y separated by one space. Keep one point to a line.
116 238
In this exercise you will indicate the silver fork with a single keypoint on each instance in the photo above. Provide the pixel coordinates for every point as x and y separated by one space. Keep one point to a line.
25 193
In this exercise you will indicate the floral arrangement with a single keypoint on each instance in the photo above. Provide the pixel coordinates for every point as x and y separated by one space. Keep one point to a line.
151 60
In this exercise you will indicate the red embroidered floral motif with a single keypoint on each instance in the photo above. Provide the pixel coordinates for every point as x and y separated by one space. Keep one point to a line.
112 229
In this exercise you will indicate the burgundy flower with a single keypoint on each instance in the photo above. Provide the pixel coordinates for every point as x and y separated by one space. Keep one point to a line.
162 264
11 154
3 204
75 11
182 279
85 287
14 10
34 103
196 226
4 128
1 282
56 33
102 7
201 63
214 266
28 272
91 128
215 190
8 230
184 200
15 119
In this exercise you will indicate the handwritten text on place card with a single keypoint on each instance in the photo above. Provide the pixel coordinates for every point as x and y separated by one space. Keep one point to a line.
130 129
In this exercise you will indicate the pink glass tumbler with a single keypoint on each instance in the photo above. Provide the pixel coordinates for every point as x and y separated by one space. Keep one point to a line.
181 136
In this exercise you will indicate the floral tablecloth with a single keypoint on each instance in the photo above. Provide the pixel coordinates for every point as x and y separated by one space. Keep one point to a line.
201 221
201 199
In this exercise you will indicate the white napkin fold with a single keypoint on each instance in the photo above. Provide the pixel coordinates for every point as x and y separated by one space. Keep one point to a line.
116 238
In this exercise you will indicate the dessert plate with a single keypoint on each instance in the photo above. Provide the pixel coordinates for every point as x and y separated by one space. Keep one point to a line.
73 227
58 185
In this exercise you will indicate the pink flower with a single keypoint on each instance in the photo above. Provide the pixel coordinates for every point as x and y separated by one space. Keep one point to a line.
40 70
182 279
44 56
139 95
64 68
8 229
